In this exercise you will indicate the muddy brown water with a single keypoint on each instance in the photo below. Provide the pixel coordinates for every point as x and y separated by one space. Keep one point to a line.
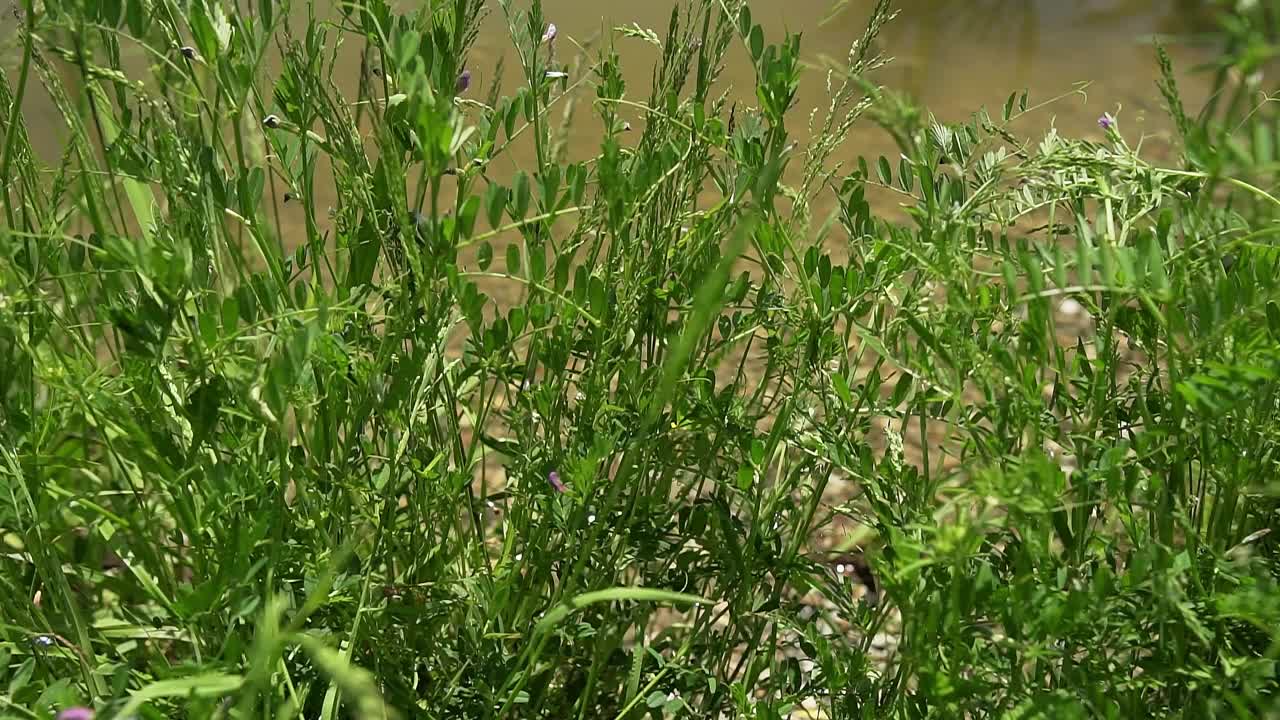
954 56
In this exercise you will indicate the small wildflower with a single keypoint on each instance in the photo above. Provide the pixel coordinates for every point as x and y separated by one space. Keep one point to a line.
43 641
271 121
1106 122
550 34
464 82
554 479
76 713
188 52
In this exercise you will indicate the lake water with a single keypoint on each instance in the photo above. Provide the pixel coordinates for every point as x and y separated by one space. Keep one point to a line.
954 56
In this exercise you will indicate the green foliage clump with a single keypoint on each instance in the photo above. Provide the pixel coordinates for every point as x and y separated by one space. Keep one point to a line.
587 438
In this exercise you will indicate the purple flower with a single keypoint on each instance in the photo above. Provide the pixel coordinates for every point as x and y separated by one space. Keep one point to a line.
554 479
464 82
550 34
76 713
1106 122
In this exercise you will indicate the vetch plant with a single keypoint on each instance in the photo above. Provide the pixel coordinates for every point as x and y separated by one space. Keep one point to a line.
377 403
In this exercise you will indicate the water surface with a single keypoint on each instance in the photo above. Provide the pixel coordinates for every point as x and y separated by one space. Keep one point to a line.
954 56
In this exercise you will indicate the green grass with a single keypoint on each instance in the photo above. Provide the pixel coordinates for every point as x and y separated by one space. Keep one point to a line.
264 458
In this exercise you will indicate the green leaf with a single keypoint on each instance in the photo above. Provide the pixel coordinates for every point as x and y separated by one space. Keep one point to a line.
616 594
22 677
901 389
757 42
230 315
495 201
141 198
252 190
208 323
549 182
209 685
708 301
484 256
358 686
110 12
578 185
467 216
562 272
738 292
1060 277
530 107
509 118
202 31
841 387
221 26
1107 263
513 259
520 199
581 281
884 171
598 298
137 17
537 261
1084 261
